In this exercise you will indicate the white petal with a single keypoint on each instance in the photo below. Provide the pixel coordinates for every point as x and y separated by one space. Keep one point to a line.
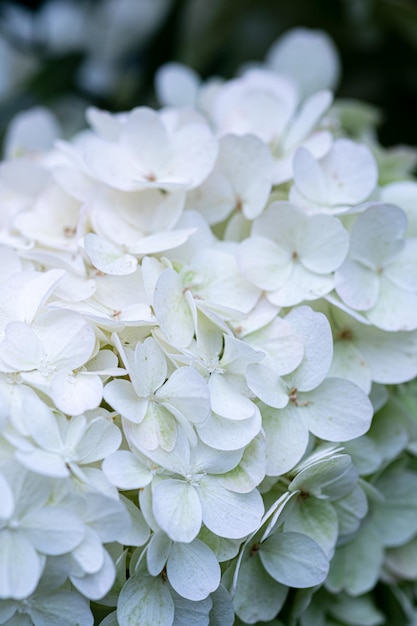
176 84
53 530
226 434
357 285
351 172
301 285
126 471
61 607
188 392
20 566
172 309
21 348
312 110
395 310
121 395
337 410
227 401
309 178
288 55
286 440
6 499
266 385
107 258
263 262
314 329
95 586
150 368
76 393
229 514
193 570
89 554
177 509
157 553
162 241
324 244
100 439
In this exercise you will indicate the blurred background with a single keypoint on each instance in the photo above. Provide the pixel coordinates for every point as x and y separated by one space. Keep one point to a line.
67 54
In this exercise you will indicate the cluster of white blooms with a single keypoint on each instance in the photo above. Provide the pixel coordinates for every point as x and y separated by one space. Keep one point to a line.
200 310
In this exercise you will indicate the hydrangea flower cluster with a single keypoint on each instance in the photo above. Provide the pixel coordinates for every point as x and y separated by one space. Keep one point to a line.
207 316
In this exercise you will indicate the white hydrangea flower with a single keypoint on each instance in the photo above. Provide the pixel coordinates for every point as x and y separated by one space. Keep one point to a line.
210 286
363 353
293 256
342 179
156 403
379 278
192 494
168 150
333 409
267 105
58 447
47 361
30 529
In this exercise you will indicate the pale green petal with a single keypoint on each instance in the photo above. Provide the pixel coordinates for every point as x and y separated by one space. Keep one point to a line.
402 561
61 608
330 478
222 613
107 258
137 533
258 597
294 559
395 518
193 570
355 567
147 601
316 519
190 611
157 552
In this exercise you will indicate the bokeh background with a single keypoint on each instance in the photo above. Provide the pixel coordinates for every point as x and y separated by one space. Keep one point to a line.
67 54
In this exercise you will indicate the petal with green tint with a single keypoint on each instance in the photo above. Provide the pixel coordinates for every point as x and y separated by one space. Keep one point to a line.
294 559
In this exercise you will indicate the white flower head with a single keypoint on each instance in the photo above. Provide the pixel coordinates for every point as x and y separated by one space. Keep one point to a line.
293 256
342 179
